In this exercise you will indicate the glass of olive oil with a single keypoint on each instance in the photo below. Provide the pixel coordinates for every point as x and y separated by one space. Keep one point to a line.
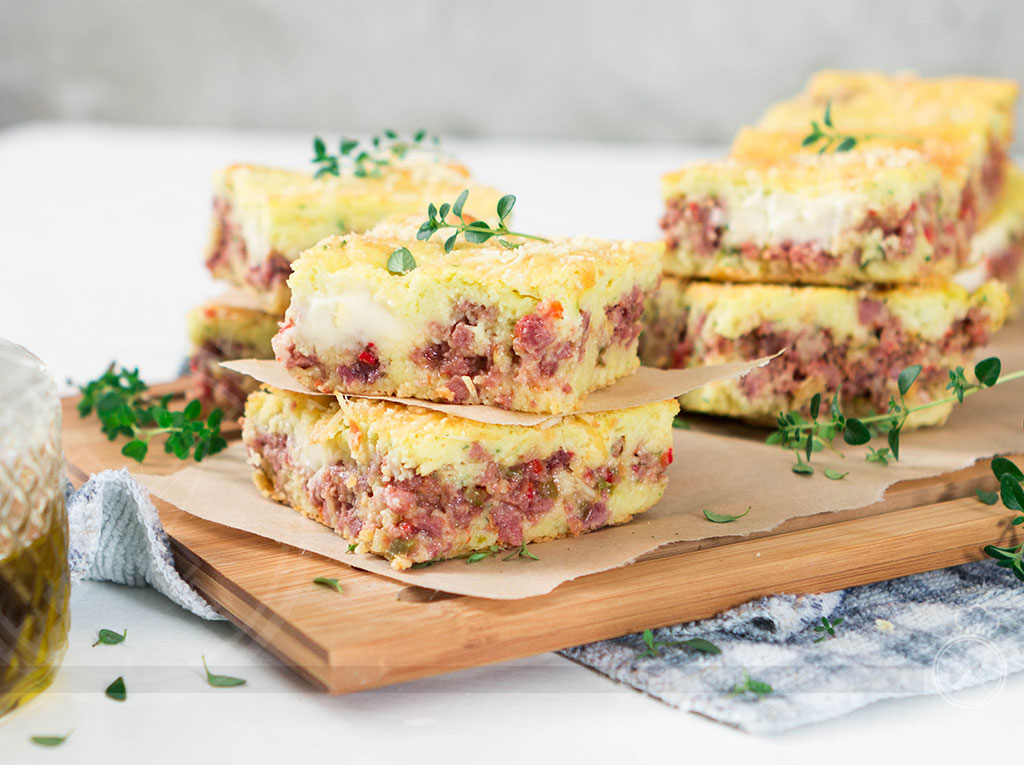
33 529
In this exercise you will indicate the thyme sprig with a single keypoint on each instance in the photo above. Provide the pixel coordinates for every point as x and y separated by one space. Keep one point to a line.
827 132
1011 492
474 231
805 437
366 160
124 407
827 628
759 688
697 644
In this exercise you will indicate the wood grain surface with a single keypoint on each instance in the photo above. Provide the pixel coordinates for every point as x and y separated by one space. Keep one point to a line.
380 632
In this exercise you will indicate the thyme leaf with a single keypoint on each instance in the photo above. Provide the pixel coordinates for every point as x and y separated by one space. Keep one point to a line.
221 681
697 644
723 518
116 690
49 740
826 136
401 261
109 637
324 581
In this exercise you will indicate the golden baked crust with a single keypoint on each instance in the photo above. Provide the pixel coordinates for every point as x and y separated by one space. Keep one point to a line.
871 216
415 485
221 332
857 339
925 162
265 217
532 328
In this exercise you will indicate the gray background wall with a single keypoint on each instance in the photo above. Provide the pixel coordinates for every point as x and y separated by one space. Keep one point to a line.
633 70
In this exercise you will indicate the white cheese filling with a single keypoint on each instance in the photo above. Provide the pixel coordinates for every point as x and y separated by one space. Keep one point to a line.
775 217
350 319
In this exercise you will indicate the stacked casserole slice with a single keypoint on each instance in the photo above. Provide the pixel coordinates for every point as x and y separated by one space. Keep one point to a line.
835 229
263 219
513 324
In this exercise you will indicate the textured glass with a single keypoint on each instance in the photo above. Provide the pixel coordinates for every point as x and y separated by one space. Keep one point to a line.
33 529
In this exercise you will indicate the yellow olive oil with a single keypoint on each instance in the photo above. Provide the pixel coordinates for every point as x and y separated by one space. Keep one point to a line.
34 615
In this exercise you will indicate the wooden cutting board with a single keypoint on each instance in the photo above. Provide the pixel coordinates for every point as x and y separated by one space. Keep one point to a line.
380 631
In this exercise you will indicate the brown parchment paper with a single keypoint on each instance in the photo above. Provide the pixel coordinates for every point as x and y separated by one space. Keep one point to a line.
644 387
712 470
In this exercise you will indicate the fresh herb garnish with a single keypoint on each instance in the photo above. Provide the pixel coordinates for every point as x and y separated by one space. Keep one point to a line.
522 552
826 131
49 740
722 518
401 261
680 424
324 581
1011 491
121 402
352 547
116 690
835 475
221 681
479 556
476 231
805 436
828 627
109 637
988 497
367 160
423 564
757 687
697 644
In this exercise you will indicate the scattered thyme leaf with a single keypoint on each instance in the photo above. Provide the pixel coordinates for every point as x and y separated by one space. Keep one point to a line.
116 690
835 475
109 637
697 644
522 552
401 261
757 687
352 547
481 554
49 740
221 681
332 583
988 497
828 628
722 517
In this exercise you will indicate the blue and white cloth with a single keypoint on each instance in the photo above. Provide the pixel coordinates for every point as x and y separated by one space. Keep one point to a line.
956 631
116 536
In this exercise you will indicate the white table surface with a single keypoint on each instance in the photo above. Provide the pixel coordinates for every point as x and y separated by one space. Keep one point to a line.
102 229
